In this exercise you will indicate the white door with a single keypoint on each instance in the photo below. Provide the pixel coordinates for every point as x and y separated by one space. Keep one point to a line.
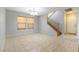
71 23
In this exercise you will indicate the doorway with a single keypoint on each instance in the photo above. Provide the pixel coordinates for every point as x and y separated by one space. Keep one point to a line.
70 20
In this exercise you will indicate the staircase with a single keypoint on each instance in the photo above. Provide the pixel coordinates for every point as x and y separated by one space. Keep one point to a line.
54 26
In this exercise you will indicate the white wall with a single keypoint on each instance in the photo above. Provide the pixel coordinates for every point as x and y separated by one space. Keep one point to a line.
44 27
2 28
78 22
11 24
58 17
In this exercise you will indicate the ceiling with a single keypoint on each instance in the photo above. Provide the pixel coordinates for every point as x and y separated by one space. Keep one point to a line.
40 10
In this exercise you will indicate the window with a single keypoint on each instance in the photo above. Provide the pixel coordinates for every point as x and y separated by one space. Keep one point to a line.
21 22
30 22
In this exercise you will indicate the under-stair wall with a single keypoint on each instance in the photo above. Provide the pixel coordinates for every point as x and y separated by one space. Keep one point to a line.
44 27
54 26
56 21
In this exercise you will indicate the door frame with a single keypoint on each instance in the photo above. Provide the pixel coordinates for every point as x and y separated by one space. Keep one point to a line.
65 21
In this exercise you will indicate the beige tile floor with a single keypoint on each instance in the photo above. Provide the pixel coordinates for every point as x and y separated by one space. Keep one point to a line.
68 43
41 43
